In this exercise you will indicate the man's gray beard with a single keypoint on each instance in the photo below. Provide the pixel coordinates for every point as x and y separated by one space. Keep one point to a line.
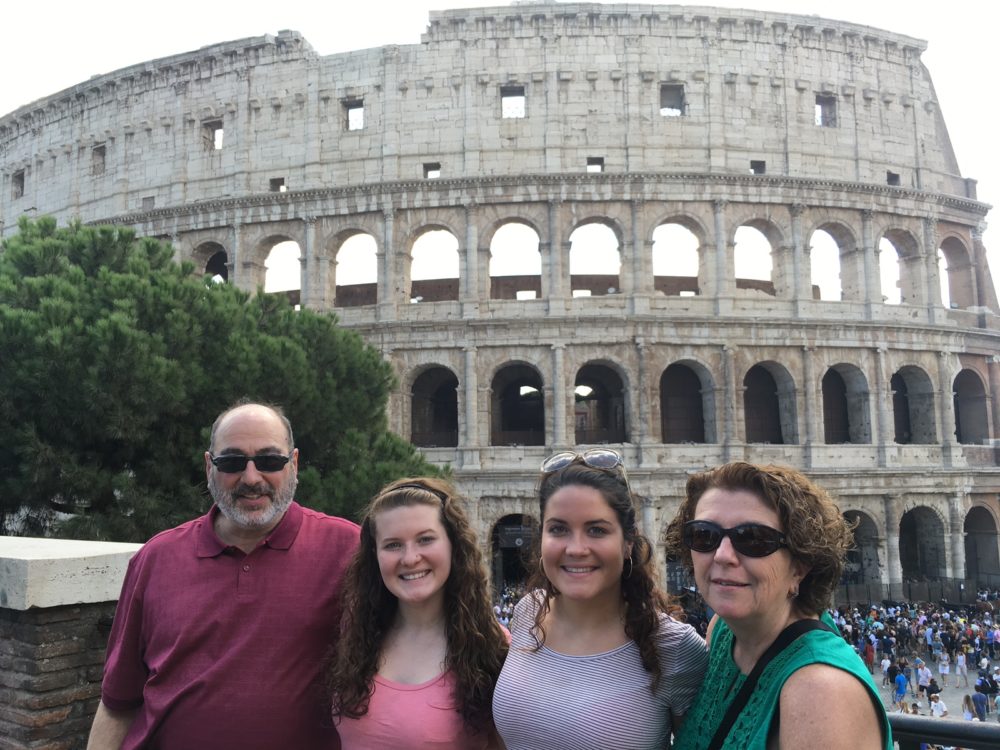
281 498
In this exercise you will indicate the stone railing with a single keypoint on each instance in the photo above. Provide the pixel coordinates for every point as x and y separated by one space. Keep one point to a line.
57 600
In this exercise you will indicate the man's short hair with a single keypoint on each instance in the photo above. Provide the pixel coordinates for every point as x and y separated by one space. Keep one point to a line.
278 411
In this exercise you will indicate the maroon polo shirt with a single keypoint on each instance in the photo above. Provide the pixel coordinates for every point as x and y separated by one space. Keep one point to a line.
218 649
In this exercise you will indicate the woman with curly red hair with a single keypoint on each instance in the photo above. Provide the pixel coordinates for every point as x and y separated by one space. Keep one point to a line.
420 648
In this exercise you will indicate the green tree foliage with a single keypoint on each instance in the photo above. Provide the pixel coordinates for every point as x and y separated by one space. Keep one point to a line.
115 360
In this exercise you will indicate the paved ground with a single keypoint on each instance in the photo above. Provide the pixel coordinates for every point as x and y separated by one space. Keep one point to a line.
951 695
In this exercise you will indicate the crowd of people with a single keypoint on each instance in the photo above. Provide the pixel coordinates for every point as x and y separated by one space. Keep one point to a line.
228 625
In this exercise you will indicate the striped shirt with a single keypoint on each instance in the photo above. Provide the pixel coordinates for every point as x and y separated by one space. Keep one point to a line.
545 700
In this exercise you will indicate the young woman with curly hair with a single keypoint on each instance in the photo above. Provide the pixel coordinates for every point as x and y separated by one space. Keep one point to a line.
596 660
420 649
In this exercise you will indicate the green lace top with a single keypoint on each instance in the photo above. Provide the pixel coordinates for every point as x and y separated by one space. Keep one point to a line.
724 681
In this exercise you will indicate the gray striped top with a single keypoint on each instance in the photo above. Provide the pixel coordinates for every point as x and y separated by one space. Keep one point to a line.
545 700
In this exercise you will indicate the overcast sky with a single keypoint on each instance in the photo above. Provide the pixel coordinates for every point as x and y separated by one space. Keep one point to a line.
48 46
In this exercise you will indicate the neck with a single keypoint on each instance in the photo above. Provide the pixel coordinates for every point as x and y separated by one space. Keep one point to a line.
752 638
241 537
590 613
421 617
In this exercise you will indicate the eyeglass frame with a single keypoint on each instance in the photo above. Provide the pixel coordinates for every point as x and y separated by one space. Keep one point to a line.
574 457
247 459
781 541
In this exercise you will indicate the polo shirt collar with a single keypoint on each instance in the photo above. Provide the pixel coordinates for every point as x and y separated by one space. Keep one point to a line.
282 536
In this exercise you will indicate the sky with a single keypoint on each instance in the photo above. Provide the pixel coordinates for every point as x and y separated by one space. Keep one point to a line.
50 45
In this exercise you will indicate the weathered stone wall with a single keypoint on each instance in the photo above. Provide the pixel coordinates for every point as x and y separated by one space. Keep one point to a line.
878 164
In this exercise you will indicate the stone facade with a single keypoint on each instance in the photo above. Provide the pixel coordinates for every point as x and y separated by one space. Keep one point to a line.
554 118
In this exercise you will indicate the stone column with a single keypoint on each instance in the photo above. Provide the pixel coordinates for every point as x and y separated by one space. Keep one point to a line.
557 273
388 291
808 408
993 368
956 517
649 521
801 264
308 266
642 413
640 263
471 292
893 515
725 281
728 402
946 408
873 279
469 440
234 261
885 427
933 286
559 404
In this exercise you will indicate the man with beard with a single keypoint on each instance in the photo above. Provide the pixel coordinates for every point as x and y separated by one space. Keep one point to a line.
224 621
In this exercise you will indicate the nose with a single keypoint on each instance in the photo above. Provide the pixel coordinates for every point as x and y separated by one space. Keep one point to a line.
250 474
411 555
577 545
725 553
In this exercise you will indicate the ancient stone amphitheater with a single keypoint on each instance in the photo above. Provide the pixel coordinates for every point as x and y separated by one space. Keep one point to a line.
555 210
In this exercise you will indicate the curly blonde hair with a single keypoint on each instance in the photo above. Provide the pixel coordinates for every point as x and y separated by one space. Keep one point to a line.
817 533
477 645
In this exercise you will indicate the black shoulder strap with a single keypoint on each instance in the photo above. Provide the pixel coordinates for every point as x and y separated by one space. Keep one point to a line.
784 638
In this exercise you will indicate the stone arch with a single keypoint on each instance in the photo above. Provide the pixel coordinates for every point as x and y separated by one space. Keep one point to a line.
921 545
687 404
355 269
599 405
850 262
678 244
515 264
846 409
982 555
434 408
283 268
595 258
913 406
972 425
517 406
824 266
756 243
769 413
512 541
908 275
433 264
958 274
212 258
863 564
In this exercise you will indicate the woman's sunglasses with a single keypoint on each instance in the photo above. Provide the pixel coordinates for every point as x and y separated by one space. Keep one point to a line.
603 459
235 463
750 539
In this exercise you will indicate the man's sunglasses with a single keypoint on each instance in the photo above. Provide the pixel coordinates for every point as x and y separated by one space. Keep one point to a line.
750 539
235 463
603 459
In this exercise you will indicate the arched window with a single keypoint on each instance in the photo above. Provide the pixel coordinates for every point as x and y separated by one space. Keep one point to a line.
594 261
982 562
824 261
769 405
675 260
357 271
921 545
846 411
434 267
682 406
752 260
913 407
599 406
434 414
515 263
517 407
862 564
971 421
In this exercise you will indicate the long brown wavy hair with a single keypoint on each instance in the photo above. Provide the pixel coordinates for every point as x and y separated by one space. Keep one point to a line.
644 601
477 645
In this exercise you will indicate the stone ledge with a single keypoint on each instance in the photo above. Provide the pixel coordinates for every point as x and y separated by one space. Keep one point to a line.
54 572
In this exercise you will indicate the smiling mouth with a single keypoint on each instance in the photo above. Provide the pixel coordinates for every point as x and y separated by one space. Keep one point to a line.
734 584
577 570
415 576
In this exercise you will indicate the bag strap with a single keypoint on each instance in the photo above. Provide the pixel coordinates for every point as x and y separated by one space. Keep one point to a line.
785 637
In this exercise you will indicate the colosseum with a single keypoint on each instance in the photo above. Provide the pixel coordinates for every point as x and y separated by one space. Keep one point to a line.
690 233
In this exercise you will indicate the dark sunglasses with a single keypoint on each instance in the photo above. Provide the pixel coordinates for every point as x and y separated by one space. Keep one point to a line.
235 463
603 459
750 539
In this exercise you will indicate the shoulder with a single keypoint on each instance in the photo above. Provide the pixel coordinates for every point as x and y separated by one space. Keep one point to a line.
848 714
329 524
673 634
171 540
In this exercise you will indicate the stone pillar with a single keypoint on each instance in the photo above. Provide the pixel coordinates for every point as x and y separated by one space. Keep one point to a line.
946 408
59 599
808 407
725 281
469 440
873 279
388 291
885 426
933 286
893 515
559 403
557 273
640 263
993 368
728 403
471 292
642 414
649 521
801 264
310 288
234 262
956 537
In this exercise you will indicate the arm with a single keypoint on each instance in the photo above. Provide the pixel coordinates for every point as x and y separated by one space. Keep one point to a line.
848 721
109 728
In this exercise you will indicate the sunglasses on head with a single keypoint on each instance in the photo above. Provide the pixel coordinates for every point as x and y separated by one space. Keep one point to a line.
234 463
603 459
750 539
